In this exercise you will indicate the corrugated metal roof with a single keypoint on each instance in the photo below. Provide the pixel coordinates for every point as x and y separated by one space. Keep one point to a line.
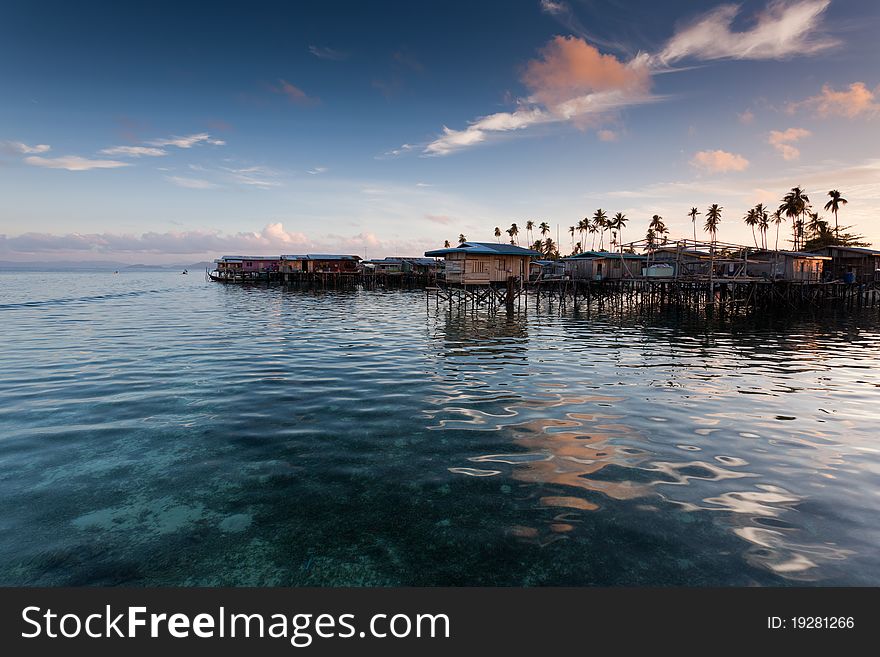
484 248
854 249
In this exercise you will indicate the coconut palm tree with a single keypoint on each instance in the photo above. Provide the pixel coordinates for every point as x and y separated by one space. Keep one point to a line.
693 215
650 238
600 220
462 239
530 226
619 223
514 232
593 228
498 234
583 227
794 205
571 230
544 228
751 220
658 227
834 205
550 249
777 219
713 218
446 244
763 223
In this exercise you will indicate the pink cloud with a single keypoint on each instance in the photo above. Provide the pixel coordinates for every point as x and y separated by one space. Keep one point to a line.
856 100
782 141
719 161
294 94
570 67
607 135
439 219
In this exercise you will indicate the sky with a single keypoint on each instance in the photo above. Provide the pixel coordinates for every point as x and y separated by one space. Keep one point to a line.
172 132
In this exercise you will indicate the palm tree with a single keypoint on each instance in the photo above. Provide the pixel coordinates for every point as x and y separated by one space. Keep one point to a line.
462 239
571 230
446 244
777 219
530 226
600 220
713 218
514 232
658 227
751 220
834 205
693 215
619 223
544 228
650 237
550 248
763 223
583 227
795 204
498 234
593 228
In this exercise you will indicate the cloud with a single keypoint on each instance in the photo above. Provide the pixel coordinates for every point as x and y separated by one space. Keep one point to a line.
253 176
405 58
134 151
439 219
719 161
187 141
272 239
782 141
571 81
856 100
746 117
785 28
73 163
294 94
570 68
317 170
190 183
322 52
20 148
607 135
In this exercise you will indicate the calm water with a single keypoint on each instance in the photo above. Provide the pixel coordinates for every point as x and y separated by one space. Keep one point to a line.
157 429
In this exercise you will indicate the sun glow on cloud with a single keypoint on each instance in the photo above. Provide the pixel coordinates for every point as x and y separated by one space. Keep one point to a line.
782 141
719 161
856 100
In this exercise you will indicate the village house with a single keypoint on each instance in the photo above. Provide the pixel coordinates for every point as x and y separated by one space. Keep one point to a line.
851 264
602 265
786 265
395 265
319 264
235 265
484 263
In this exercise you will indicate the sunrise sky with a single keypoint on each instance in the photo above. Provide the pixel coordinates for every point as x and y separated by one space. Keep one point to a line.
165 133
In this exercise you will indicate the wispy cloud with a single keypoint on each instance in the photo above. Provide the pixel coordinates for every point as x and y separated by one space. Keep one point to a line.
854 101
187 141
719 161
322 52
20 148
439 219
190 183
253 176
294 94
73 163
566 17
782 141
317 170
134 151
783 29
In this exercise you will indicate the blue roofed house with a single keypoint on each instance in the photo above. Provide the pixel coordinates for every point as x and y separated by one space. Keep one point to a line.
484 263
